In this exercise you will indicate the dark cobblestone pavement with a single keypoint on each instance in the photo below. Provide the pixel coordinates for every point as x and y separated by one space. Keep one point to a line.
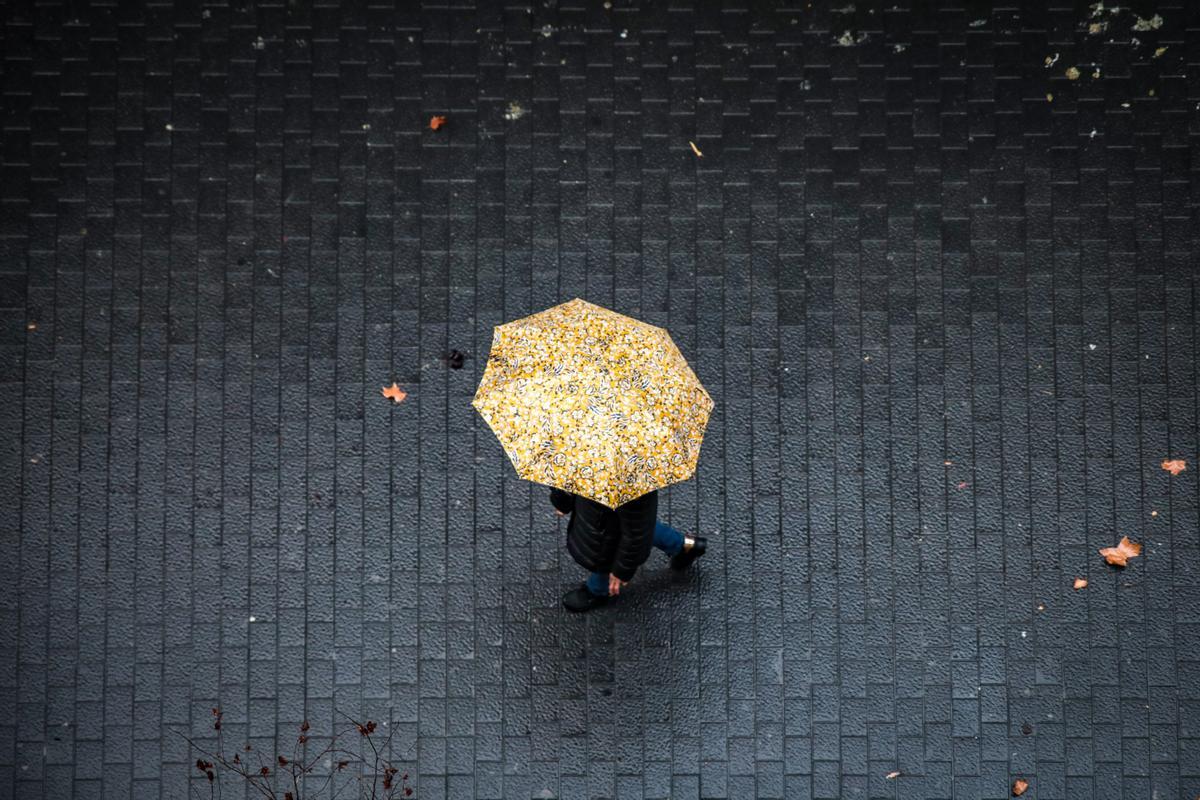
937 266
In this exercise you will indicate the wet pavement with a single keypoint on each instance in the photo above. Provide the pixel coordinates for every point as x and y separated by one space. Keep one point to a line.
935 263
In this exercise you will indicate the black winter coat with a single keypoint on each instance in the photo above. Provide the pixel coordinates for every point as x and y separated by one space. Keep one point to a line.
607 540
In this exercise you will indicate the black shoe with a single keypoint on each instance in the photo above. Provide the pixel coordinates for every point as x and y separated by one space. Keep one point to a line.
692 549
582 599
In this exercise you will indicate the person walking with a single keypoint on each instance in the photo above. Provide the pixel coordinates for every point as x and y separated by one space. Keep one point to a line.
612 543
604 410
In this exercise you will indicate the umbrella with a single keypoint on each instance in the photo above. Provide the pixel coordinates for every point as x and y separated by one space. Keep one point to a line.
593 402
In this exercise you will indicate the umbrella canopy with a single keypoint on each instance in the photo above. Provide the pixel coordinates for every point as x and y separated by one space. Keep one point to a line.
593 402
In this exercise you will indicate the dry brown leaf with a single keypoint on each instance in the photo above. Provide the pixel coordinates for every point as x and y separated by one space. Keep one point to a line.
1072 73
1019 787
695 149
436 122
394 392
1152 24
1119 556
1159 52
1080 583
1175 466
892 775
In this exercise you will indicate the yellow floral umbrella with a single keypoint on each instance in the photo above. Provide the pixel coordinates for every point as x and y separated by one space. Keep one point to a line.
593 402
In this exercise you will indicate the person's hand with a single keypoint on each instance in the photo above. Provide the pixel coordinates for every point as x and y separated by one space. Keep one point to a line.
615 584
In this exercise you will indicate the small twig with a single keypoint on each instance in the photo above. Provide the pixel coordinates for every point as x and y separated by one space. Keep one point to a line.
264 777
192 786
390 783
354 758
295 761
219 758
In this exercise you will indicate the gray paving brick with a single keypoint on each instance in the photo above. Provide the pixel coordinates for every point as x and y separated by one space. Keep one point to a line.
943 295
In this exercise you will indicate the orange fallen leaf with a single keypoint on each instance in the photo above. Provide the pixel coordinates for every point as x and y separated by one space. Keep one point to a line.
1019 787
1080 583
1175 467
394 392
436 122
1119 556
695 149
891 775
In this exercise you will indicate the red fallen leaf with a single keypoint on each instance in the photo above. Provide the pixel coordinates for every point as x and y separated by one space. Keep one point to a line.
1175 467
407 791
394 392
962 484
265 771
304 726
1119 556
303 739
283 762
288 796
342 765
1080 583
436 122
1019 787
237 759
210 775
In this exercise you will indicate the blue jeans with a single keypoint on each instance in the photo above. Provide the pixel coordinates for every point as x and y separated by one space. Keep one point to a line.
666 538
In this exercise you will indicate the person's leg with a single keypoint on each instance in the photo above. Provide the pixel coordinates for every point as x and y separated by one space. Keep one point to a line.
597 584
683 550
667 539
593 594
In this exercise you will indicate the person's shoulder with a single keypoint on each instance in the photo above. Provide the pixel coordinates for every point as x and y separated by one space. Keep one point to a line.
586 503
640 502
562 500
